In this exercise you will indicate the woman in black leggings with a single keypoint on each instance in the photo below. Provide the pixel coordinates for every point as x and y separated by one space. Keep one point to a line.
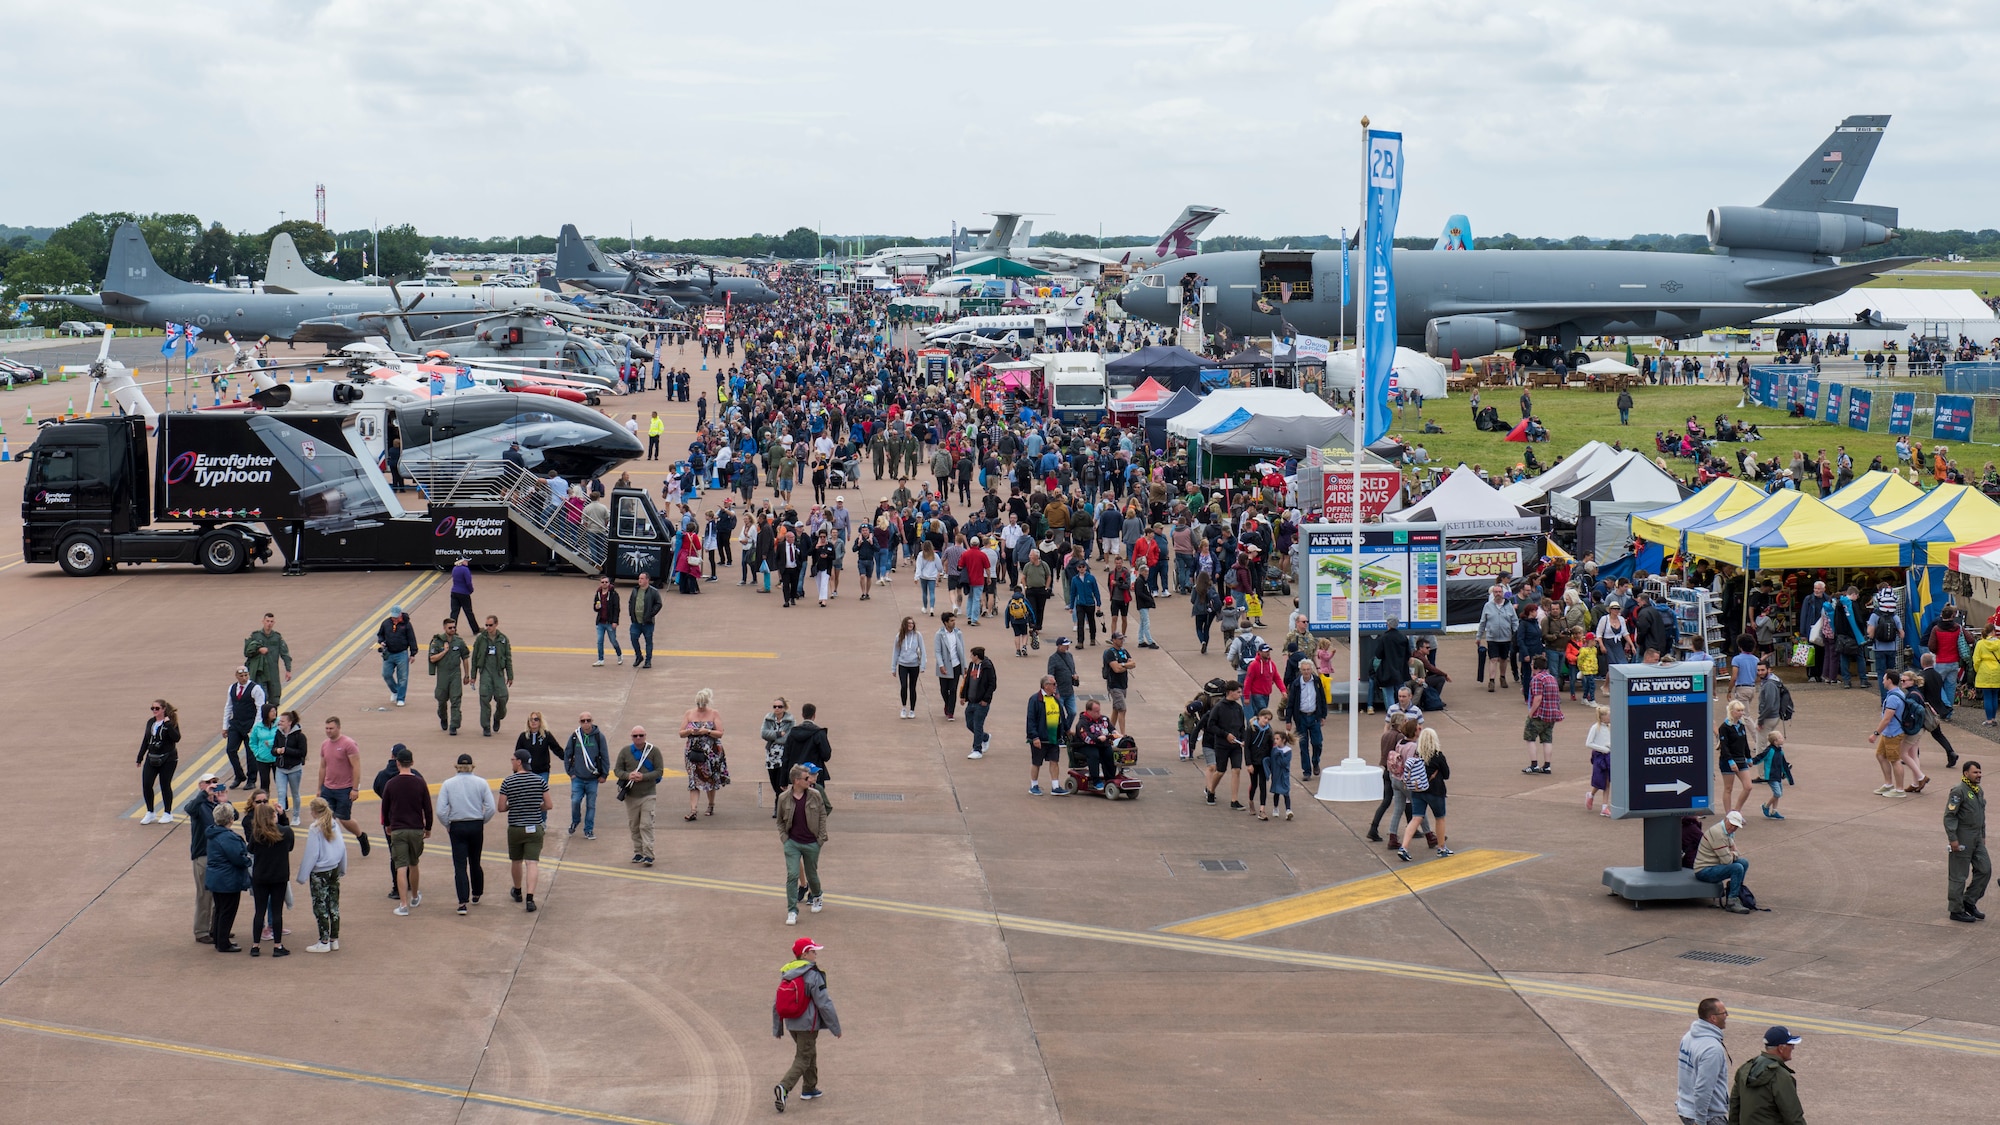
159 757
908 657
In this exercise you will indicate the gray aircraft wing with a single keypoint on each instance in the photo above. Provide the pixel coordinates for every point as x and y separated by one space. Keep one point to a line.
1844 276
1537 314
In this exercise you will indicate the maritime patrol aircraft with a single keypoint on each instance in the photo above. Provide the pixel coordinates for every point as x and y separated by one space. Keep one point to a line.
1776 256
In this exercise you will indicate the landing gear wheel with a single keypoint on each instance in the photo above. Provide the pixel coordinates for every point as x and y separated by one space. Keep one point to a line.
81 556
1578 359
222 553
1524 357
1545 357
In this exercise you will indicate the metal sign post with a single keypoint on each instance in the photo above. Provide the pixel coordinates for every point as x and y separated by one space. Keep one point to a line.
1662 768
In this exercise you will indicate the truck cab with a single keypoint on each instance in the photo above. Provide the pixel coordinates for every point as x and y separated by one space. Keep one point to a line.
1079 391
87 504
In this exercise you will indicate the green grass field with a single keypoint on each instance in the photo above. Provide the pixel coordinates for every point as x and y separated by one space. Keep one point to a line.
1577 416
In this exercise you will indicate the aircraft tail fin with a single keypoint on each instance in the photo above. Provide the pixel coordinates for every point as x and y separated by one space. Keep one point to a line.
1180 239
1457 234
287 270
132 270
1002 237
598 262
1832 173
1022 235
572 258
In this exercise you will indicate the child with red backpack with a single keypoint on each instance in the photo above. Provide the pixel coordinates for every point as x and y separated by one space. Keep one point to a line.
803 1008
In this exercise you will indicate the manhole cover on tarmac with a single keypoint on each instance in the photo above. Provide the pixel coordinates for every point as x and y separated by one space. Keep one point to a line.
859 796
1719 958
1221 865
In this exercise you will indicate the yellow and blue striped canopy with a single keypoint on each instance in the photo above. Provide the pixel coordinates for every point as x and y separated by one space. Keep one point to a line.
1874 493
1948 516
1790 528
1720 499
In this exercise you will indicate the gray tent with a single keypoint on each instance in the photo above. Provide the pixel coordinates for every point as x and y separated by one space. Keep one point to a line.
1267 436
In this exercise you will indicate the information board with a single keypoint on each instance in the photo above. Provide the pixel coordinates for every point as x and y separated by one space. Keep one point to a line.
1662 739
1401 572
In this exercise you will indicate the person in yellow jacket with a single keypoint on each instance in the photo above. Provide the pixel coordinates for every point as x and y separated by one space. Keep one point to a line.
1986 671
654 429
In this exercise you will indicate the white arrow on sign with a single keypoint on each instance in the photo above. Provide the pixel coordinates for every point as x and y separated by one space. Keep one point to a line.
1677 788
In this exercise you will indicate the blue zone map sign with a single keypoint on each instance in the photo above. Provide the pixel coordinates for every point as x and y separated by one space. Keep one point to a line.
1662 748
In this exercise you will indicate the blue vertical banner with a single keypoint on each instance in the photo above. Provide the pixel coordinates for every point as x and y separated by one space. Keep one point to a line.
1953 421
1833 402
1385 198
1761 383
1902 408
1812 398
1860 405
1346 281
1795 389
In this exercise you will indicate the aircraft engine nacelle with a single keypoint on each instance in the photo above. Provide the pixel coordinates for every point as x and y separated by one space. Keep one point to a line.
1802 232
1468 336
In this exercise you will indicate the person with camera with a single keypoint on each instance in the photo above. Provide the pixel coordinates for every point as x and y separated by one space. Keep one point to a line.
638 771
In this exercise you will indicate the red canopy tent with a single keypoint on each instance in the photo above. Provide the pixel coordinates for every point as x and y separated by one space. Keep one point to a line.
1144 397
1519 432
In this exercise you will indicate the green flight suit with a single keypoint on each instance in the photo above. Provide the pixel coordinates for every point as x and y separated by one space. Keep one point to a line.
878 448
1967 867
493 667
264 666
448 655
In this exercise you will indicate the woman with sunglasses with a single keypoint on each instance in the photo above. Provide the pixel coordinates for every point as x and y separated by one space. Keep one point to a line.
290 746
776 729
159 756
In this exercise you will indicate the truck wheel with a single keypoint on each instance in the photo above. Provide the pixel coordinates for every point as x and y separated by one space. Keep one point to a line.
81 556
222 553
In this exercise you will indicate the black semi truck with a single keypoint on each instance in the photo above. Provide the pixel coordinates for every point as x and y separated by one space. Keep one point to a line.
222 489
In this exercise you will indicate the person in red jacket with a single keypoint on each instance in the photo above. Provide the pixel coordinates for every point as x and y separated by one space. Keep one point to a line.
1260 680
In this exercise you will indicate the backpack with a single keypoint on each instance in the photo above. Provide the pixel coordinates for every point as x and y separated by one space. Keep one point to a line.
793 999
1784 702
1912 714
1017 609
1396 756
1886 629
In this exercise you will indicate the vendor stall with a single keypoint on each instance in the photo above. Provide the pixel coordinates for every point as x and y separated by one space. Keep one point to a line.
1947 516
1487 539
1174 367
1874 493
1789 528
1722 498
1600 505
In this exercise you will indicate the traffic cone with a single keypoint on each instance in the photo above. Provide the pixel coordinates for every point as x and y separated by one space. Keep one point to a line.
71 411
107 401
29 417
5 453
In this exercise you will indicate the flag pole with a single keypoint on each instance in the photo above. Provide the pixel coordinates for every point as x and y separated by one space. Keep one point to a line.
1354 464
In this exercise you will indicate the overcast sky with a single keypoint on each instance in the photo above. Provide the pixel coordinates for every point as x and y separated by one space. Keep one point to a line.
499 117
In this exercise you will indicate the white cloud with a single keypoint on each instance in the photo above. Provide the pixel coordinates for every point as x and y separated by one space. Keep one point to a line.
513 116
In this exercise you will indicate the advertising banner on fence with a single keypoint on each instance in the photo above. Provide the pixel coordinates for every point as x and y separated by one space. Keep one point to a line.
1954 418
1860 405
1377 489
1498 563
1812 398
1833 402
1902 407
1763 387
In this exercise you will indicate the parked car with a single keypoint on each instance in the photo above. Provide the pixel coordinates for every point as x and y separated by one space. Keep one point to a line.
16 372
80 328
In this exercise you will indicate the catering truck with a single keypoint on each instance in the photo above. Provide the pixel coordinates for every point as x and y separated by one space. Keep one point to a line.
221 488
1079 392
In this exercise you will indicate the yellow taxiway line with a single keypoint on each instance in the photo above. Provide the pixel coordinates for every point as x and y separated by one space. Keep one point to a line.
319 673
1182 943
1250 921
268 1062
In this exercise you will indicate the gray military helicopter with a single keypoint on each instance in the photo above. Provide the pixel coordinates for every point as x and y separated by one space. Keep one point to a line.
690 282
1777 256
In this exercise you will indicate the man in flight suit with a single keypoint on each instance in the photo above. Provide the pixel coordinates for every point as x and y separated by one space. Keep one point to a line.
493 665
449 658
1967 866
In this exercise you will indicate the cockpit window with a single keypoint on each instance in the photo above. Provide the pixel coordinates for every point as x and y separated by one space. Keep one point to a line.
1152 281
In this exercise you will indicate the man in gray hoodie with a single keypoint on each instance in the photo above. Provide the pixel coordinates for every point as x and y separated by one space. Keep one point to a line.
1701 1096
806 1025
1496 636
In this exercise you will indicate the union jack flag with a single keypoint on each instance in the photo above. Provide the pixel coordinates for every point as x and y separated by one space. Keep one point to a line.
173 333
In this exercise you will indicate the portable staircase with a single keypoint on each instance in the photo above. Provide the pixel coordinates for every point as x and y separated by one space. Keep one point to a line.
530 504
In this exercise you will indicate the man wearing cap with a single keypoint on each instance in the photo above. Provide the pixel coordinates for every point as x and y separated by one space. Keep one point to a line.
1062 665
465 804
806 1026
1222 738
1117 673
1718 861
1701 1093
802 812
1765 1091
240 711
493 665
395 640
1967 866
638 768
209 791
407 819
524 797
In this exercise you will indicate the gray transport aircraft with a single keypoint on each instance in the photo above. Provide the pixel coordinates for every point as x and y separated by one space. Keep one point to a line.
137 291
580 263
1767 259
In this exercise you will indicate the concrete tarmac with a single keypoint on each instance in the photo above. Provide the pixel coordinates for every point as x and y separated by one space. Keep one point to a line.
995 956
